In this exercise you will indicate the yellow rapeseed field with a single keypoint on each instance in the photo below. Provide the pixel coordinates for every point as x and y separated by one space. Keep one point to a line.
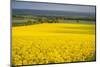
53 43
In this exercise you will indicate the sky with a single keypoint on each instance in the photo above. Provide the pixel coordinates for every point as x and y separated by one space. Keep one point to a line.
52 6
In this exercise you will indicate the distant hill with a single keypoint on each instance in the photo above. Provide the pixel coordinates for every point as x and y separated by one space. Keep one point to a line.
50 13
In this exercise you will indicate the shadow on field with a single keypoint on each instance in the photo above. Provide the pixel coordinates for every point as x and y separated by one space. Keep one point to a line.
75 31
81 28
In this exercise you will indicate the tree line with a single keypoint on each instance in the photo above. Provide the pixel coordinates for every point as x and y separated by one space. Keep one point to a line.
46 19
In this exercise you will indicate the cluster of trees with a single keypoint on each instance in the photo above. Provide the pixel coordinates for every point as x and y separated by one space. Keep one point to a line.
46 19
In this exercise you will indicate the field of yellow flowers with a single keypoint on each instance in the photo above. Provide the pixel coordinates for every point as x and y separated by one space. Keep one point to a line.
53 43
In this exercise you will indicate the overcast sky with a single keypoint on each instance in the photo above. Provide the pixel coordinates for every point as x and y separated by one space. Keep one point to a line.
49 6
